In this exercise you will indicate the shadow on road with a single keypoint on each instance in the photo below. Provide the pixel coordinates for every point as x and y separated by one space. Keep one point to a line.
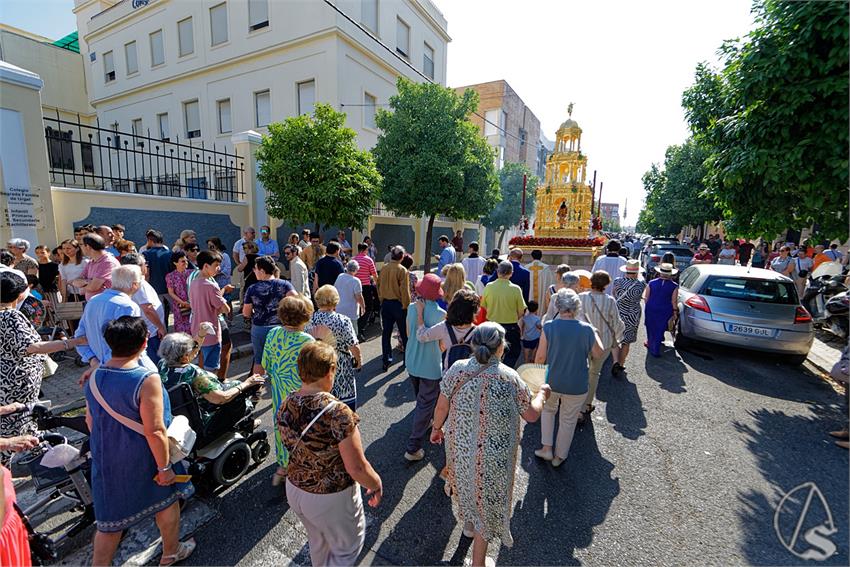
561 506
623 406
775 439
667 370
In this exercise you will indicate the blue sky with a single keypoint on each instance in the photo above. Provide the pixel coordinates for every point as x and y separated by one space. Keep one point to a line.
50 18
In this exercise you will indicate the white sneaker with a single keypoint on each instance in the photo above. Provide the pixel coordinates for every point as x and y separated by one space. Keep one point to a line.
468 530
545 454
489 562
417 456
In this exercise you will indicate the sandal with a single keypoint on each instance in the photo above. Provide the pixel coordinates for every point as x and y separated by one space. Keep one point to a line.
585 415
184 550
843 434
447 488
279 476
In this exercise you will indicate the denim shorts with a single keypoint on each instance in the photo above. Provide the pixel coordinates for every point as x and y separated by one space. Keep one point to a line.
532 344
212 356
258 340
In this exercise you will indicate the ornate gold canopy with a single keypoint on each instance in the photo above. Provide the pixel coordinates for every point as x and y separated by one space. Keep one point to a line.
564 198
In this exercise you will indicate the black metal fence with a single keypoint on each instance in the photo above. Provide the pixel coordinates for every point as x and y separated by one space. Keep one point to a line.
106 159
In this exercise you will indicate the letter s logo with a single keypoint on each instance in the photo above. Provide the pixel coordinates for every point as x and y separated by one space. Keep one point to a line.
817 537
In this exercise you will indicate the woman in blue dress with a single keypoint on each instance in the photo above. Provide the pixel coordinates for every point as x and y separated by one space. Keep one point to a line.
132 476
661 297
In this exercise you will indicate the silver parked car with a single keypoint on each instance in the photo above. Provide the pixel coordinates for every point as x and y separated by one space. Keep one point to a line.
748 308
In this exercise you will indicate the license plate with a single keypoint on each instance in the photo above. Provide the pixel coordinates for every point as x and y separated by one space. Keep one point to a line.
749 331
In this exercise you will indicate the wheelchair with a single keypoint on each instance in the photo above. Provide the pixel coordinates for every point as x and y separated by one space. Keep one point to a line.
228 444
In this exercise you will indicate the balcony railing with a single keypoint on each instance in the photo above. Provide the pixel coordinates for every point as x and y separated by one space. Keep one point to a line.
91 157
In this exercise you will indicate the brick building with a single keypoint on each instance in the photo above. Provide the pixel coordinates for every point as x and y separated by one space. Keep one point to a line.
510 127
611 211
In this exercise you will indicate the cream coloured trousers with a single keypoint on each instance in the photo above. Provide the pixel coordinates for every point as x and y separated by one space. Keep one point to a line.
571 405
335 523
593 371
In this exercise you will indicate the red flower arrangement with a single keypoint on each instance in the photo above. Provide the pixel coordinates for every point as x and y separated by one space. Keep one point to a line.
555 241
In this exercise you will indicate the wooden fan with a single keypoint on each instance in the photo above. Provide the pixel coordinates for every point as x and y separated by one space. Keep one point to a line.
534 375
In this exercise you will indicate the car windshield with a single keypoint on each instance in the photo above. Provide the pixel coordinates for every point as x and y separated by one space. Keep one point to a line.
677 251
747 289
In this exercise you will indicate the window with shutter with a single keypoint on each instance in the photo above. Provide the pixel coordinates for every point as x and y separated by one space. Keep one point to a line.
108 67
258 14
402 37
131 58
428 62
193 119
369 14
157 49
263 108
369 110
218 24
185 37
306 97
164 131
224 116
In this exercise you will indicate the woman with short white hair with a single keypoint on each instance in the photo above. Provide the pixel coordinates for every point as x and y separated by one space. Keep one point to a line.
565 345
568 281
350 289
27 264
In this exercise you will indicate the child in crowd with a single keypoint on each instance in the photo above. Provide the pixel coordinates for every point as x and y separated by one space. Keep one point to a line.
530 327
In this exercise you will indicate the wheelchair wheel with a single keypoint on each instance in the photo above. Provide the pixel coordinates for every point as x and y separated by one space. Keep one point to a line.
229 467
260 451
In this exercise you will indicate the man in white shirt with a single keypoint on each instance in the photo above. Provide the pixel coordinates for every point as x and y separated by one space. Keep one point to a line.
473 264
610 263
248 235
148 301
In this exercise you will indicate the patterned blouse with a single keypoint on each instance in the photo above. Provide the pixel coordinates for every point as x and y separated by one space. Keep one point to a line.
344 337
316 465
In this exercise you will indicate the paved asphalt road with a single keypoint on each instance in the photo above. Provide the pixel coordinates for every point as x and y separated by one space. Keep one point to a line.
685 462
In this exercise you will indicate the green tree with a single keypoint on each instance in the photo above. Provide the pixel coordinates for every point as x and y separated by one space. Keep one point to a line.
654 184
506 214
314 172
611 225
774 121
433 159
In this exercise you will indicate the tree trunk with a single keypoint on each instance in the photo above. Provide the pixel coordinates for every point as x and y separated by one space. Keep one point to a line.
426 267
318 229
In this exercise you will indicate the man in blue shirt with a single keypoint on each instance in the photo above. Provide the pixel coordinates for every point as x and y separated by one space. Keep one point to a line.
521 275
447 256
108 305
267 244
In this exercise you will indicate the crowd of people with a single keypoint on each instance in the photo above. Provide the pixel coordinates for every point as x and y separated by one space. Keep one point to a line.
159 314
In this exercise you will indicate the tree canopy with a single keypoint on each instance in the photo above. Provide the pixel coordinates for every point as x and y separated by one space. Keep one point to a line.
434 161
314 172
773 121
676 195
507 212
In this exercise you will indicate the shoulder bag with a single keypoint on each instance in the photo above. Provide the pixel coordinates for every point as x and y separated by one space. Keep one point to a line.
607 324
312 423
181 437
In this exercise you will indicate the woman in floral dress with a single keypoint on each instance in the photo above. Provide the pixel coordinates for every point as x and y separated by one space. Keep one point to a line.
280 357
628 290
481 403
178 291
340 333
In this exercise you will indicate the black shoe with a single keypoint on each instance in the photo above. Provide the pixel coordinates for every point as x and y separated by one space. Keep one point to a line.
385 365
617 369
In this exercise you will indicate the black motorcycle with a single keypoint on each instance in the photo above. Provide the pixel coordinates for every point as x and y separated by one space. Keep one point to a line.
819 291
837 313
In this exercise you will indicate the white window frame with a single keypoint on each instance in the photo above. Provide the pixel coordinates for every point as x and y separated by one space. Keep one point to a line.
190 40
108 67
129 48
158 33
164 133
491 121
400 25
370 111
221 41
137 127
196 133
298 96
256 20
224 128
369 15
425 59
257 118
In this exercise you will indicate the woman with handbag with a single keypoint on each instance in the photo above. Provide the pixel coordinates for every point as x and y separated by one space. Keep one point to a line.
661 299
178 290
132 475
600 310
22 360
326 461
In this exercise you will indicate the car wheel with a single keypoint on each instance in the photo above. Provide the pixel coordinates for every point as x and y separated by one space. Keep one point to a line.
681 340
796 359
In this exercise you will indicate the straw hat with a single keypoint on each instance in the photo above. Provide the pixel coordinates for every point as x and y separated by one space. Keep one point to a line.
666 269
583 277
631 267
430 287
